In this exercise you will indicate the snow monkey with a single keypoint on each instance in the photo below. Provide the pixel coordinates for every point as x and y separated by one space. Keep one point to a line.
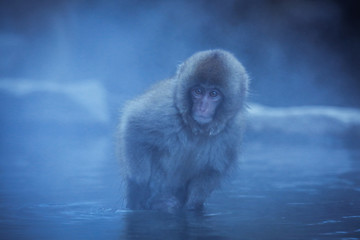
179 139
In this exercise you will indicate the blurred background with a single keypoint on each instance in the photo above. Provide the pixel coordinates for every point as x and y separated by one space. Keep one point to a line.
297 52
67 67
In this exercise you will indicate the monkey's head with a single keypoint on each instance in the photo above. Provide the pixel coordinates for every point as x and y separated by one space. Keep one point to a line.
211 90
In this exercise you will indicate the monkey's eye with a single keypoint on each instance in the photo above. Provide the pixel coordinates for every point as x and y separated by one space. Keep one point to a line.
213 93
197 91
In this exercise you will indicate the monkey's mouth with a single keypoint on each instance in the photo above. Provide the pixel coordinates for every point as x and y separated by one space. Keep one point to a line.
201 119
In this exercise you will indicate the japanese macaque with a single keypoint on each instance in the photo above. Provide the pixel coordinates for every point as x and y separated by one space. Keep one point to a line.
179 139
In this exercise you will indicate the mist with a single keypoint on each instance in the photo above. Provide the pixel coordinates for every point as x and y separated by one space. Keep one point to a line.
297 52
67 68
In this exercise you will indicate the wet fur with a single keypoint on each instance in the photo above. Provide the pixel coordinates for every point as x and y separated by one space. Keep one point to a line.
167 159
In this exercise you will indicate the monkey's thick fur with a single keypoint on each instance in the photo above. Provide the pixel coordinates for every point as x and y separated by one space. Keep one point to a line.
168 160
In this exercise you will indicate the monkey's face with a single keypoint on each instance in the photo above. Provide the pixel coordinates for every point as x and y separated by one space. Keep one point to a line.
205 101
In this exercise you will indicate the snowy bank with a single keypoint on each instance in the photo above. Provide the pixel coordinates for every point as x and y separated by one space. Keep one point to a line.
54 101
309 120
87 102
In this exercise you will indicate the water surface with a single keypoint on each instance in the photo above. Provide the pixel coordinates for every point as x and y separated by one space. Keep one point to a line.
60 186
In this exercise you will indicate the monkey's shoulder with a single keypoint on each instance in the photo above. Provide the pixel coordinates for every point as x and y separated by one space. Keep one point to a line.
154 110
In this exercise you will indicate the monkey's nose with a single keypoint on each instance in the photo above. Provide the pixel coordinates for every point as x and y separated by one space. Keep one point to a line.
204 106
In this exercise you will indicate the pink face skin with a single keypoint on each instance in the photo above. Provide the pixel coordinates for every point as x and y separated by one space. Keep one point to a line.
205 101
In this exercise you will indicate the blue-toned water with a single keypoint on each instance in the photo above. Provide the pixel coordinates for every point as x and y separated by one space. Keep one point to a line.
65 185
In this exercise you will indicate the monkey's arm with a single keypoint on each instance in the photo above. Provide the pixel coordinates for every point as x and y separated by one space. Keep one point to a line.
147 185
224 160
200 188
